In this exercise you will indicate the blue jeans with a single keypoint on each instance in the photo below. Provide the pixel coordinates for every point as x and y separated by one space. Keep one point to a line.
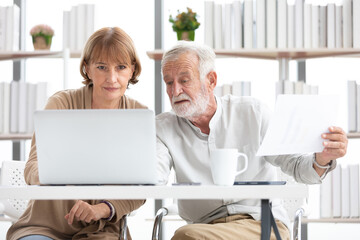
35 237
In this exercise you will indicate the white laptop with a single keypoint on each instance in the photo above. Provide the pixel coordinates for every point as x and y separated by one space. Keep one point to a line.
96 146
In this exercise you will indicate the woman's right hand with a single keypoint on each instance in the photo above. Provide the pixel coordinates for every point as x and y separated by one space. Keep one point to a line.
83 211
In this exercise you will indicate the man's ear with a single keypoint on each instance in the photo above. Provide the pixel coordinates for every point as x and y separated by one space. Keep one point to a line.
212 76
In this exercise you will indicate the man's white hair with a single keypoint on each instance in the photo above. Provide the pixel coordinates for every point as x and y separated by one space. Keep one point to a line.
204 53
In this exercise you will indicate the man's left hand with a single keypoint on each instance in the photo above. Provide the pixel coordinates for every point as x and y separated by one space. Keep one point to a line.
334 148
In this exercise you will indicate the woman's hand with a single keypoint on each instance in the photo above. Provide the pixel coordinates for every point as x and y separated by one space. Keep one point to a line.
82 211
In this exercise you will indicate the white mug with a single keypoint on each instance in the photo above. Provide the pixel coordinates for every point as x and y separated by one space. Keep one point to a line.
224 164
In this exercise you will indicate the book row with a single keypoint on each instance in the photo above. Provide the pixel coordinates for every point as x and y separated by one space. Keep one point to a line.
281 24
9 28
339 193
237 88
299 87
18 102
78 25
353 106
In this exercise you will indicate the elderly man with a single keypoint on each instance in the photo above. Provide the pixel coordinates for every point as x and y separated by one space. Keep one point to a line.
201 122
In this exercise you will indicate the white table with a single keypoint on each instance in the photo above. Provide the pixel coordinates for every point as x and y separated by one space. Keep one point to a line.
263 192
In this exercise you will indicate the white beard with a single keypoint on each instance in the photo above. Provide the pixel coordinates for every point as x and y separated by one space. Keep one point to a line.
193 108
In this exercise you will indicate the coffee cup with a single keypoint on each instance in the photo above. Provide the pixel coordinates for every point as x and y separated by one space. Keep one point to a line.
224 164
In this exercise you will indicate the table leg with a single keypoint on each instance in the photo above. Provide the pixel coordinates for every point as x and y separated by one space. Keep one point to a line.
267 221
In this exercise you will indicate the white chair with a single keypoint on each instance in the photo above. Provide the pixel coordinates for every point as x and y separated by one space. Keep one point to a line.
12 174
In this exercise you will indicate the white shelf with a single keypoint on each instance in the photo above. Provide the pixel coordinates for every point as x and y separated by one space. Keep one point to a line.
17 136
331 220
13 55
274 54
353 135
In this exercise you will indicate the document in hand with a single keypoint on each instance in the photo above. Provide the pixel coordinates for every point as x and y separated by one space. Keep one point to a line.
297 124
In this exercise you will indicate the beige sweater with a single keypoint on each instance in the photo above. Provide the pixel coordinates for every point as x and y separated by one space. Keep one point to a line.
46 217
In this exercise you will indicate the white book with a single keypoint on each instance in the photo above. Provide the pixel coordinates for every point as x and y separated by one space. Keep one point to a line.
218 26
356 24
279 87
13 28
345 192
3 21
322 26
14 107
314 90
218 91
209 24
307 89
246 88
248 24
1 106
331 25
336 191
352 106
22 121
271 24
347 24
238 26
227 26
326 197
357 104
338 26
288 87
66 29
6 107
80 28
260 24
307 25
31 106
41 95
291 26
282 23
226 89
89 21
299 23
354 190
237 88
315 32
73 28
299 87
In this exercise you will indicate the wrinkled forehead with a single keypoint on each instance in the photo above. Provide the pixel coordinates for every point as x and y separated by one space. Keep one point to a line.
184 62
110 54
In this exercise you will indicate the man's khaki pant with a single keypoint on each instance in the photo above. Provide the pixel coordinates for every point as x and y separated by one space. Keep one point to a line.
235 227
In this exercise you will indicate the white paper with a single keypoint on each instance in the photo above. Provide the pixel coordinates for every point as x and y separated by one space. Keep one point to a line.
297 124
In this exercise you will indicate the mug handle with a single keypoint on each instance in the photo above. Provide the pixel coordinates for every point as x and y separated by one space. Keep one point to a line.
245 163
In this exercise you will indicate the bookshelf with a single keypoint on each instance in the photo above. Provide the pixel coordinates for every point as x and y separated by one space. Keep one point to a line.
274 54
17 55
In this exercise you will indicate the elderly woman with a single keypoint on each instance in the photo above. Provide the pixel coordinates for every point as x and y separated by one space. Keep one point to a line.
109 64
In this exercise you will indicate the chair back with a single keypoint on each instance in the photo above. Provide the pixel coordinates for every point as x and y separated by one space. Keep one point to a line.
12 174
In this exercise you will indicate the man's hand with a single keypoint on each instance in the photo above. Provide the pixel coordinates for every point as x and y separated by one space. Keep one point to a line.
334 148
82 211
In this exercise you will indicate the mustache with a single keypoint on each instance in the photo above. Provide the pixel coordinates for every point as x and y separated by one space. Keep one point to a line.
181 97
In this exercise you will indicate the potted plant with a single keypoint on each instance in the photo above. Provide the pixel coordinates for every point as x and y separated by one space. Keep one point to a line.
184 24
42 36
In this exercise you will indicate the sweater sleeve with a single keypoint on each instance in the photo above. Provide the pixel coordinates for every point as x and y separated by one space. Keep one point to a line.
31 172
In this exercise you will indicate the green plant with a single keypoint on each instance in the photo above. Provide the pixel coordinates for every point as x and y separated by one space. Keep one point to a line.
185 21
44 31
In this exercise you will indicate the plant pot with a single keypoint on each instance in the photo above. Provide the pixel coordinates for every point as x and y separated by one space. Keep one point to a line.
42 42
186 35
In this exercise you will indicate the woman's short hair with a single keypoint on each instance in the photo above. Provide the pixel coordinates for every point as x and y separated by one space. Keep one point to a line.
110 44
205 54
